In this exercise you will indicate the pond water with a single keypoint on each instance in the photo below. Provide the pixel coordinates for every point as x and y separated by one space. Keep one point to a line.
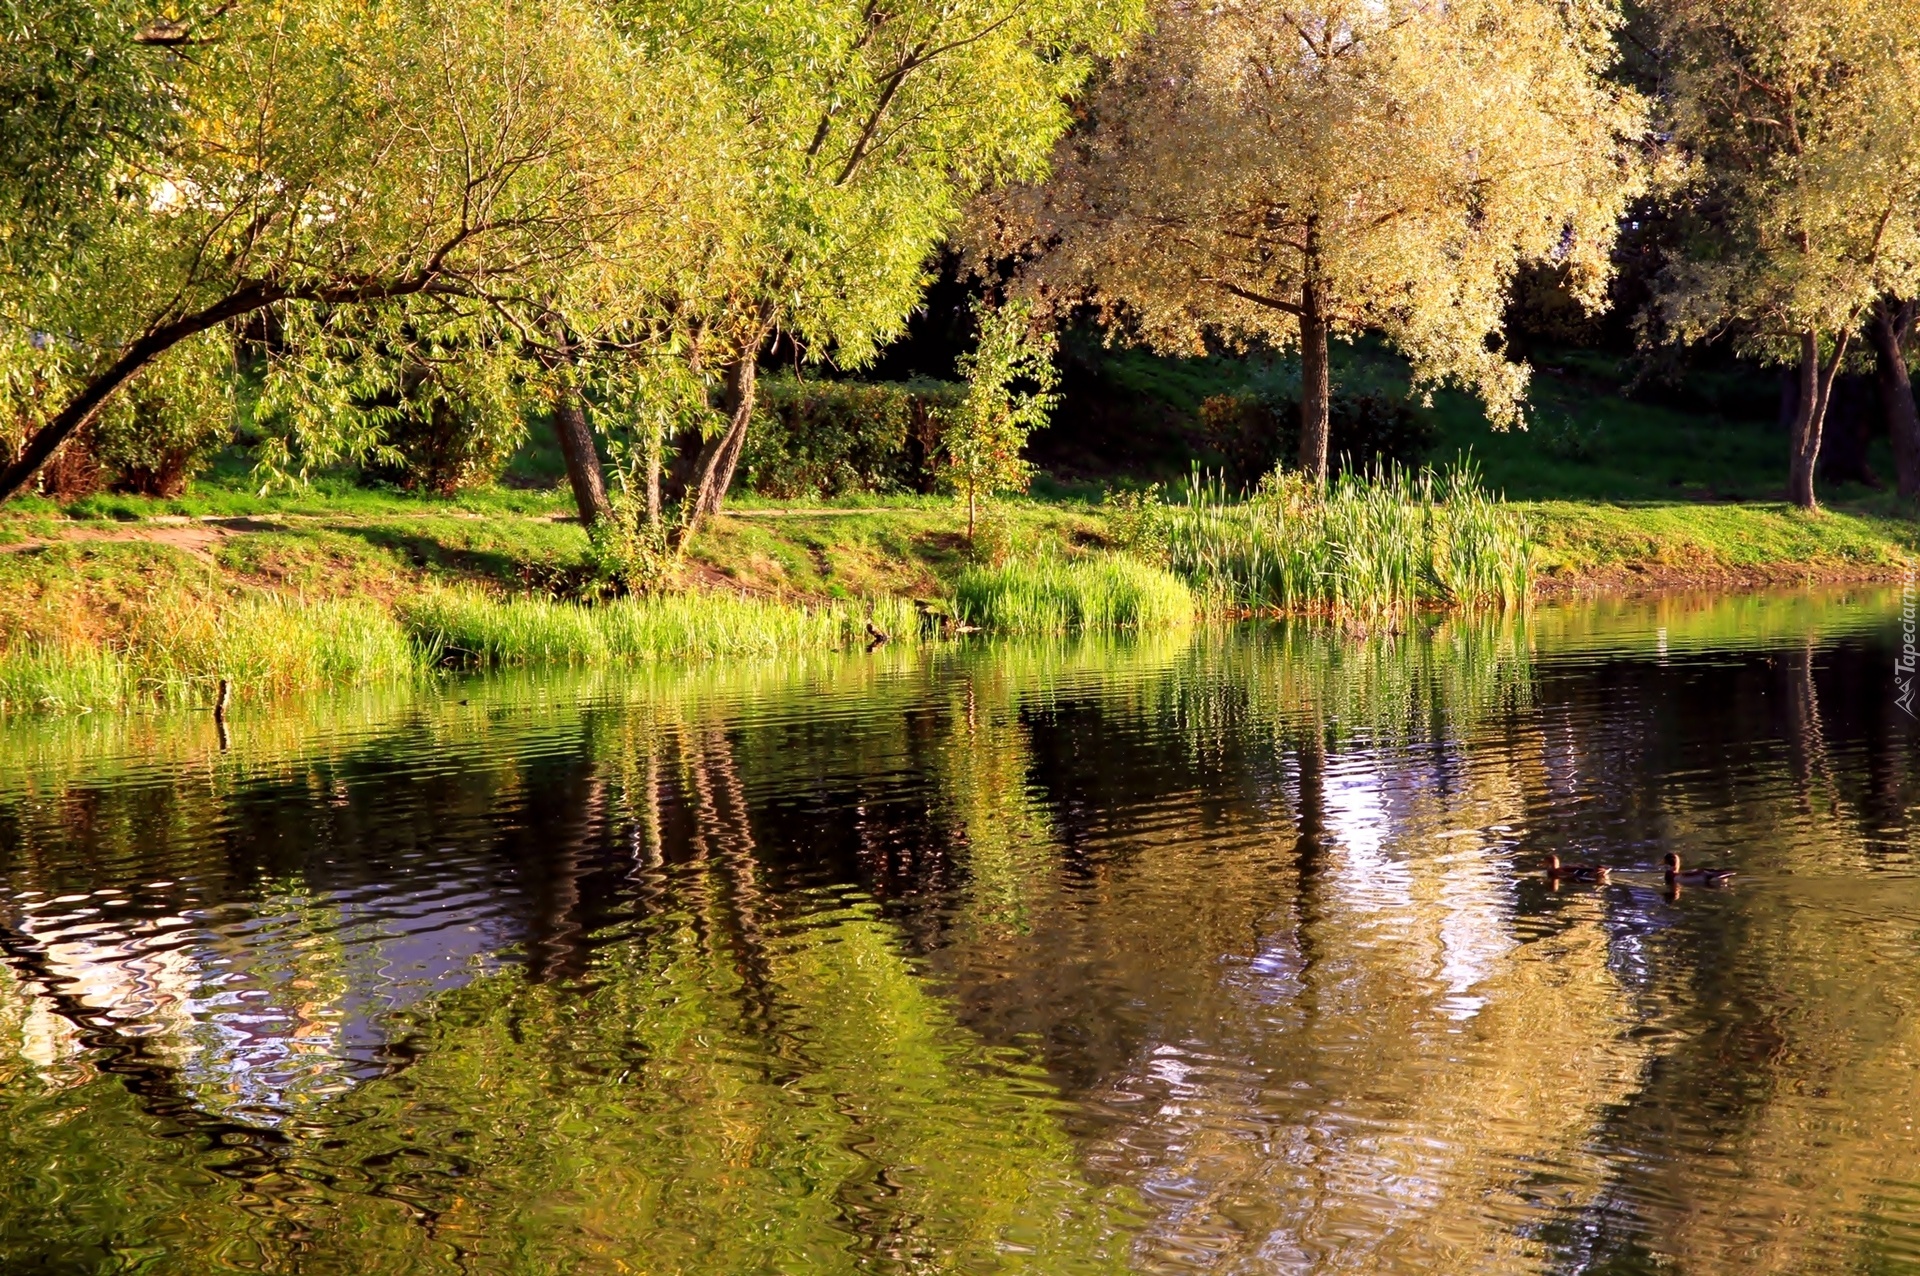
1220 952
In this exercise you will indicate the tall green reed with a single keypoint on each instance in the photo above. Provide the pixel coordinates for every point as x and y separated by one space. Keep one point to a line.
1057 595
176 652
473 628
1375 543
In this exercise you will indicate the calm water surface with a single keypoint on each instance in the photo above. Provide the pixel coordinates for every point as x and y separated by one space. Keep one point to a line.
1226 952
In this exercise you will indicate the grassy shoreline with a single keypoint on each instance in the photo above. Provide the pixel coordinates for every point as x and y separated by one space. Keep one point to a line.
99 614
1597 546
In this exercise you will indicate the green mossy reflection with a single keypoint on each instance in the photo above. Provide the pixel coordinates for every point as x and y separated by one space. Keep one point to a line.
806 1106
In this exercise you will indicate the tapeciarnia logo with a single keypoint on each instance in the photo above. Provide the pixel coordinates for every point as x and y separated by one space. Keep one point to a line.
1905 662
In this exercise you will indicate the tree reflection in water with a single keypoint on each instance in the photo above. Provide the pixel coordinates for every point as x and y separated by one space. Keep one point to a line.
1223 952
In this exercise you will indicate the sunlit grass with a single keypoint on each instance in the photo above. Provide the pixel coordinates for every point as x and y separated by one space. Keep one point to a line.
1576 538
176 651
1050 595
50 677
473 628
179 649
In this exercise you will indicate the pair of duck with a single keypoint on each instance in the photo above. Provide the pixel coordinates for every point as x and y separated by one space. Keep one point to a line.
1598 873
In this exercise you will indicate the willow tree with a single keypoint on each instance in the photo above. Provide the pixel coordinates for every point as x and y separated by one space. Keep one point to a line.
864 131
1800 118
85 86
323 155
1263 171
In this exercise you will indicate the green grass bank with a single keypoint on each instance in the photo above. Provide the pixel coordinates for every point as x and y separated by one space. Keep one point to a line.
153 607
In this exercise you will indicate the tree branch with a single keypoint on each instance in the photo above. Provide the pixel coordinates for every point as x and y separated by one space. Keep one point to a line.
1258 299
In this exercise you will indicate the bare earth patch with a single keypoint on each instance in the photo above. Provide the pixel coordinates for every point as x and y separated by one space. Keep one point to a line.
1630 578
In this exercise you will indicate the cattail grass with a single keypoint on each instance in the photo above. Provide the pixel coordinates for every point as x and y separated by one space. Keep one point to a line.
474 629
1049 596
1389 541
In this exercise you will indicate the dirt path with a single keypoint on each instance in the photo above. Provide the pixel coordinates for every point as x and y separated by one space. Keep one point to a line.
195 533
833 512
196 536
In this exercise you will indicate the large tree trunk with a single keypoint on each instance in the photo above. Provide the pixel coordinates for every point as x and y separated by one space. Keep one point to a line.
742 390
713 472
1890 327
583 461
1315 394
1816 387
570 427
654 446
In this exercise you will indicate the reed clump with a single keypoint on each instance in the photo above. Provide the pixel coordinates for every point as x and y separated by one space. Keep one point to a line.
1387 541
176 650
174 653
1049 596
471 628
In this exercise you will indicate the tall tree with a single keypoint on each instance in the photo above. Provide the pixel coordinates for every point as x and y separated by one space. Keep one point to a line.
1799 117
1289 173
329 154
866 128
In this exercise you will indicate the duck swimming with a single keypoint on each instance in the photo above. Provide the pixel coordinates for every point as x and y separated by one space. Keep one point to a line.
1558 872
1696 876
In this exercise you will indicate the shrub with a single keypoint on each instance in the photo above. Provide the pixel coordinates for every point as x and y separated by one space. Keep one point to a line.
73 471
153 438
627 554
1247 433
826 438
1566 439
993 535
452 423
1137 522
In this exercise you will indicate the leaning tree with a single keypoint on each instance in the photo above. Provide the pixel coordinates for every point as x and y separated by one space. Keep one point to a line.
863 130
319 156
